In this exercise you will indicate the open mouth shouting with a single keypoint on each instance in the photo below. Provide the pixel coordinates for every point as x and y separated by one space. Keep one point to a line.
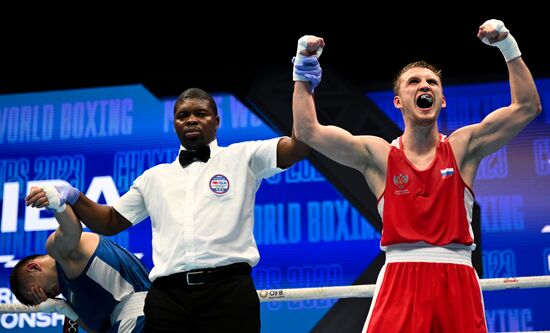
425 101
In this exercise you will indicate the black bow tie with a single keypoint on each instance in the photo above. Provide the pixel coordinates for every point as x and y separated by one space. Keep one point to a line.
187 157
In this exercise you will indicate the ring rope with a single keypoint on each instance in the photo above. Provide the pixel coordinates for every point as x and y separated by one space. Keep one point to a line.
367 290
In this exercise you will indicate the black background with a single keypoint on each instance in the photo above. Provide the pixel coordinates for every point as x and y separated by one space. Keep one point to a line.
171 48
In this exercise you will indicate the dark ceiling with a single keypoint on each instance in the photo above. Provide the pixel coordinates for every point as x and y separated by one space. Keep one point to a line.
168 56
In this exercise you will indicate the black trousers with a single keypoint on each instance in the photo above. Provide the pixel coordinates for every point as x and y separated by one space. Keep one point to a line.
227 305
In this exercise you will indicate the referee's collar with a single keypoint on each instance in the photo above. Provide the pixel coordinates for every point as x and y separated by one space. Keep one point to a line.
214 148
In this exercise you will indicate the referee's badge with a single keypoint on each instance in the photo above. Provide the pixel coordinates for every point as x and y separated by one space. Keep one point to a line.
219 184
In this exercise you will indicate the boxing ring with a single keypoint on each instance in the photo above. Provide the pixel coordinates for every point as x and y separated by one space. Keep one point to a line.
355 291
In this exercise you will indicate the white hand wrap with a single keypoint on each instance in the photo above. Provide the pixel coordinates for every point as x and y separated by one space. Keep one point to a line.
301 52
58 305
53 199
508 46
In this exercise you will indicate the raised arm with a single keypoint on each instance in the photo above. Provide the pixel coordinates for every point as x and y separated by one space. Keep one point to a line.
358 152
68 245
102 219
66 238
505 123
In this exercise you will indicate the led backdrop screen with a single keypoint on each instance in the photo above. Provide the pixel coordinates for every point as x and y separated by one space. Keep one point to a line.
99 140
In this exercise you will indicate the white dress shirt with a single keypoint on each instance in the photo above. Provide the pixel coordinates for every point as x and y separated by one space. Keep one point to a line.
202 215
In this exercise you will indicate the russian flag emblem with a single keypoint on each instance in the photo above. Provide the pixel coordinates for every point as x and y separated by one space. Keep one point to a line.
448 172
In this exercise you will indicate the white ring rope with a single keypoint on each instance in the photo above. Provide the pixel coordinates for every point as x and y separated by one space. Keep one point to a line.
367 290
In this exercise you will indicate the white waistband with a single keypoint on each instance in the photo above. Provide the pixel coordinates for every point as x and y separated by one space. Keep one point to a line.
453 254
131 306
